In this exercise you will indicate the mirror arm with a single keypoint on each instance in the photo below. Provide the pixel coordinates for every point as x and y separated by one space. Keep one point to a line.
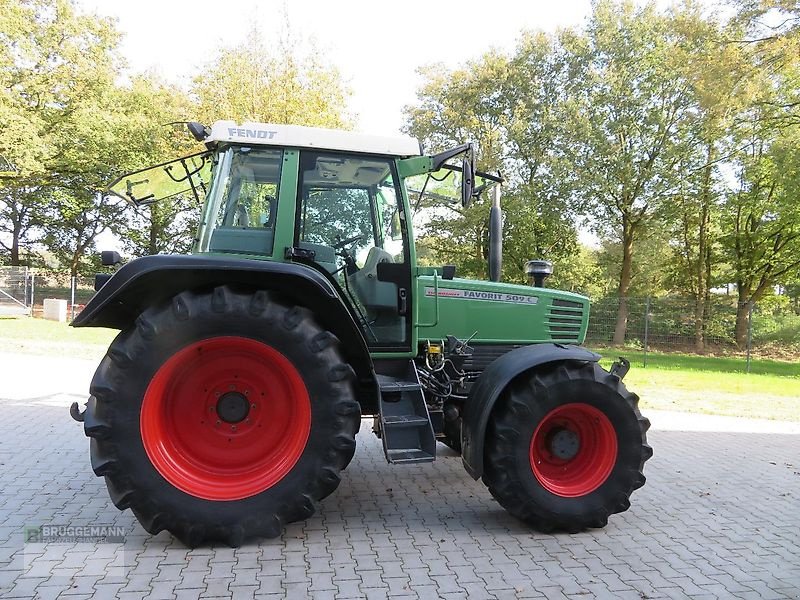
437 160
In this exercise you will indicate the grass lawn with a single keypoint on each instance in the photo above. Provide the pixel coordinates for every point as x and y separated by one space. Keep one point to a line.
691 362
677 382
38 336
721 386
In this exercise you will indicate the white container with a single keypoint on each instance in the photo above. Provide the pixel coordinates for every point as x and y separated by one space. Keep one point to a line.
55 309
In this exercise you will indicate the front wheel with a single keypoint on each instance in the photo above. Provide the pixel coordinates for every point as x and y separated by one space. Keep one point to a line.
565 447
222 416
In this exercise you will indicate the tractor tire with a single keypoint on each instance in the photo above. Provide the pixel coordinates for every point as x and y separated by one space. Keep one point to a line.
222 416
565 447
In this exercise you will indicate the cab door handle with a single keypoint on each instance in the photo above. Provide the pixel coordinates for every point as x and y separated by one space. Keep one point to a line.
402 301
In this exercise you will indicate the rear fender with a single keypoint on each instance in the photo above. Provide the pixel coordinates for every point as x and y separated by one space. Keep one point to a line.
154 279
490 386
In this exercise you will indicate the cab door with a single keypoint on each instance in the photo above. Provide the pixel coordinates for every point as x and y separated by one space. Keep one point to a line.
349 208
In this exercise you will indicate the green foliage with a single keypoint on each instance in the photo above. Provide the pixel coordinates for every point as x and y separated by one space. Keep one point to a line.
69 127
169 225
501 109
670 133
56 69
281 84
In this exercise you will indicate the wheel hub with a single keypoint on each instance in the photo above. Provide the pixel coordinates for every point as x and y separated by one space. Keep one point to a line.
573 450
225 418
233 407
564 443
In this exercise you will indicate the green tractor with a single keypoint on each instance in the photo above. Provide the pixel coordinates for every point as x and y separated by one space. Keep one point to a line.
229 403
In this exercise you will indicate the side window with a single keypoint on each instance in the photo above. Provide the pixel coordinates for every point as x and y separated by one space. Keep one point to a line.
390 220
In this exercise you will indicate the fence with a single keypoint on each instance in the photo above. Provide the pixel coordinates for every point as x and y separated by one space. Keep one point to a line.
23 290
16 290
56 284
658 325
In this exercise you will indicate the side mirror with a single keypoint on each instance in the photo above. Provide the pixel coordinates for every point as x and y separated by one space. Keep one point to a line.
198 130
467 179
109 258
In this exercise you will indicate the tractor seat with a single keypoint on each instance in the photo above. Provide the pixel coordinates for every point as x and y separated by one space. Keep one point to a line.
374 294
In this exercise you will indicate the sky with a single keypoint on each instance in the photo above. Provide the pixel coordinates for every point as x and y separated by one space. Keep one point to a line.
376 45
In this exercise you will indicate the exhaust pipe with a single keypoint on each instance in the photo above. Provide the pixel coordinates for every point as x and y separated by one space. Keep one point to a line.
495 237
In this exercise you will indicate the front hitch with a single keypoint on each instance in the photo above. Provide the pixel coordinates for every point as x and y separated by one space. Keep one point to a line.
75 412
621 367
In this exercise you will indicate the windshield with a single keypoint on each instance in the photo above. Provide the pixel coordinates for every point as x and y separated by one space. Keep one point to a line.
187 177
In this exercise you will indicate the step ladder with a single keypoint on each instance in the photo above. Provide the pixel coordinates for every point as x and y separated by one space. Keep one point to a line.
405 425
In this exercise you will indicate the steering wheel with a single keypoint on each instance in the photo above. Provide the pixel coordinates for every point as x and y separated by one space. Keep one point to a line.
341 244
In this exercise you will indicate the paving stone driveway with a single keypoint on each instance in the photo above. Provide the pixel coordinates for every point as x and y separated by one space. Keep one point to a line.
718 518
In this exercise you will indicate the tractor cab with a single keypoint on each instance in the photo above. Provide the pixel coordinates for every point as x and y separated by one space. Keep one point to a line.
335 201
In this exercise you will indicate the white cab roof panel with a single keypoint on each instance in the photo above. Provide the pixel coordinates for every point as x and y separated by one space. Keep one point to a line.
296 136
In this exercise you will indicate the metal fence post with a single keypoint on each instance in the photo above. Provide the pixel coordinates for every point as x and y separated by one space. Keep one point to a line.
25 290
646 327
749 333
73 283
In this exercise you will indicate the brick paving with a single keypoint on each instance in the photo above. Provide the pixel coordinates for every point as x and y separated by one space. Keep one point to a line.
718 518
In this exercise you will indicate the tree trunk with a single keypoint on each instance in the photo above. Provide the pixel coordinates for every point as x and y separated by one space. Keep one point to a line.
74 264
703 266
742 323
699 328
625 277
16 233
742 318
15 249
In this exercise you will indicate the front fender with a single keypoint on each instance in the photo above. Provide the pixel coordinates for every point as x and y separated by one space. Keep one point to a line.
493 381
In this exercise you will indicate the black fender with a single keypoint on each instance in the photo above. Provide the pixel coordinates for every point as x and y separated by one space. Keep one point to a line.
493 381
152 279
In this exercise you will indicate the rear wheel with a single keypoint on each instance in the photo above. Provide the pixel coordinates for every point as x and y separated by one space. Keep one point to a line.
565 447
222 416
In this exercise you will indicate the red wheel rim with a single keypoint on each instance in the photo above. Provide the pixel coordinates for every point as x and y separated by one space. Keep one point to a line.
573 450
225 418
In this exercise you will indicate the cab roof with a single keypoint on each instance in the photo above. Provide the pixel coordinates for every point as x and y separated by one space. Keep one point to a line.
297 136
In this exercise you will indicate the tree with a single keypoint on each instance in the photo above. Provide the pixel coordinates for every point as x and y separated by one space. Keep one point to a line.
762 217
453 109
149 115
717 74
632 104
505 106
249 83
57 66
